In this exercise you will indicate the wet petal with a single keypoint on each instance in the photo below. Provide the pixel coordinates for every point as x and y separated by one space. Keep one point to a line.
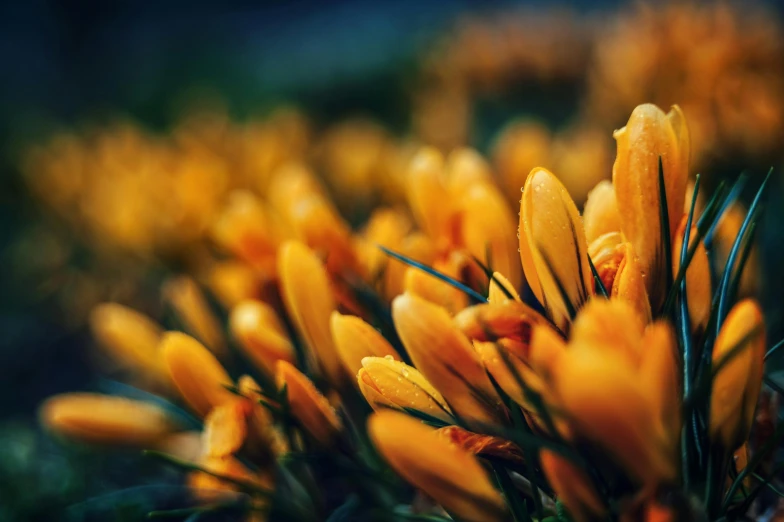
446 358
553 249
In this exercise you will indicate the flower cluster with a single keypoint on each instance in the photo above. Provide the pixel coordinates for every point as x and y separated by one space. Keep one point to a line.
590 367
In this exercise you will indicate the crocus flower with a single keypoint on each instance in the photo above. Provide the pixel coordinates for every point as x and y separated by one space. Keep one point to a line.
447 473
736 386
387 383
648 136
355 340
260 334
308 405
446 358
553 249
197 374
103 419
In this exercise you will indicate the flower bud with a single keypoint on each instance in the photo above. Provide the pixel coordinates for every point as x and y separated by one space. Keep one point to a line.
442 470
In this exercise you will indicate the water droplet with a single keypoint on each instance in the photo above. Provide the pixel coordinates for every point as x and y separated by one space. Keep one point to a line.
389 358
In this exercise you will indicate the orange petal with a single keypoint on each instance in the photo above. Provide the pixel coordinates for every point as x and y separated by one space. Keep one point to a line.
488 229
612 326
737 385
698 277
600 215
446 358
386 383
416 246
103 419
491 322
260 334
629 283
496 293
436 291
614 412
309 302
232 282
572 486
192 308
130 336
196 373
553 247
355 340
648 135
482 445
428 196
225 429
447 473
508 375
308 405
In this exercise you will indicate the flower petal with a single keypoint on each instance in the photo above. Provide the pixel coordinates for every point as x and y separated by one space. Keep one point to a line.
450 475
355 340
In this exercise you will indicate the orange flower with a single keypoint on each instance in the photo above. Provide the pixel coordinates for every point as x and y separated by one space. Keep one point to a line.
619 269
446 358
600 214
355 340
196 373
444 471
387 383
308 405
194 311
553 248
572 486
310 302
736 386
649 135
632 411
698 277
260 334
131 337
103 419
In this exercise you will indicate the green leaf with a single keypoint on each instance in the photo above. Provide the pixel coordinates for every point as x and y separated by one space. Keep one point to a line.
435 273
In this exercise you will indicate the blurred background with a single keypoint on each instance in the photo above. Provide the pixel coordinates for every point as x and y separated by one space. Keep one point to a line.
124 126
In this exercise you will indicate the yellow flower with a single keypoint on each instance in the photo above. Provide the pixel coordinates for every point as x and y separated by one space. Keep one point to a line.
194 311
553 248
308 405
387 383
698 277
103 419
573 487
355 340
501 289
130 336
649 135
619 269
309 301
422 284
446 358
600 214
247 229
225 429
260 334
196 373
429 198
487 224
736 386
232 282
632 411
510 320
447 473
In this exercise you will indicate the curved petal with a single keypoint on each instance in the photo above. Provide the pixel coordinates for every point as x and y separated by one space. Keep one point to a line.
447 473
600 215
308 405
196 373
355 340
446 358
260 334
553 249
